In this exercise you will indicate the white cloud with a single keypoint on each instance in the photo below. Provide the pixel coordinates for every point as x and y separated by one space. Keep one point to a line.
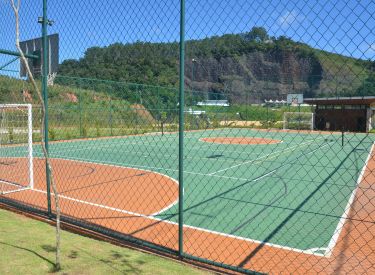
289 18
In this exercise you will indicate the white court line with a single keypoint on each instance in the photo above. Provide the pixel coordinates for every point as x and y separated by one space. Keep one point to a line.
14 191
118 166
20 187
309 251
155 153
121 140
143 166
340 225
253 160
313 251
166 208
152 144
143 170
188 226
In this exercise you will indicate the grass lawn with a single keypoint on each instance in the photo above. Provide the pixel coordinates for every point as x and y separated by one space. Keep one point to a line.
27 247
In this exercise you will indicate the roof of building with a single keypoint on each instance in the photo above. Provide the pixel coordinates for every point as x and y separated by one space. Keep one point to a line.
221 102
351 100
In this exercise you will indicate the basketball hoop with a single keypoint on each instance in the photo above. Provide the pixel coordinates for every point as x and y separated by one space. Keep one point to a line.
294 99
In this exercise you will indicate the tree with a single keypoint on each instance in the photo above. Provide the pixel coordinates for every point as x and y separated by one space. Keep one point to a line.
368 86
258 34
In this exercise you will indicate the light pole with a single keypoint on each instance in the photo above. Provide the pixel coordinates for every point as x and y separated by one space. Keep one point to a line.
194 60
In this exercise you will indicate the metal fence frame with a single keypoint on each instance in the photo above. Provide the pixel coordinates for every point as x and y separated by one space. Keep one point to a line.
49 213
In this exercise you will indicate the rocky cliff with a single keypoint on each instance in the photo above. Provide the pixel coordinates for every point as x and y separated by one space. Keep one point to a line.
255 76
238 67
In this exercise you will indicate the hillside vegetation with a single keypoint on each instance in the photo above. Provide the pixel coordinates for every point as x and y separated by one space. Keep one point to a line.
133 88
248 66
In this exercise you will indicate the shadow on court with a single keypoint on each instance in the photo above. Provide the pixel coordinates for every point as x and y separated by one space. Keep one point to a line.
295 211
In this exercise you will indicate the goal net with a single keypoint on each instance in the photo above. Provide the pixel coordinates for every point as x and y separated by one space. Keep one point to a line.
16 151
298 121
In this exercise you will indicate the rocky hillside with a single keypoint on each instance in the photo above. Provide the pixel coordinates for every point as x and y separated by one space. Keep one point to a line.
256 76
247 67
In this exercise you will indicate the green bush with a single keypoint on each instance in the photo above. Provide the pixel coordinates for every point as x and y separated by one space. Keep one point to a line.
11 135
97 130
84 131
51 134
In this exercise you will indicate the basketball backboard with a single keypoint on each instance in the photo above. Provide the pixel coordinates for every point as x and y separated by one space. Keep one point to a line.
34 46
294 99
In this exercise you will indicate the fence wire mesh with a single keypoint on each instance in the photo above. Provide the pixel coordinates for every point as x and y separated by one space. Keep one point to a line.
277 170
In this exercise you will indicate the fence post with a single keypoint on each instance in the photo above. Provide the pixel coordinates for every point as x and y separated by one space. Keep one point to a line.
181 133
110 116
45 98
80 112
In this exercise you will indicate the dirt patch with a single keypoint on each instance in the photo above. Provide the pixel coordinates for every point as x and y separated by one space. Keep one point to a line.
241 140
141 111
71 97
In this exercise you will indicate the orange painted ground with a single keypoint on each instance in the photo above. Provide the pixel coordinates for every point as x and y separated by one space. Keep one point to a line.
240 140
111 186
83 184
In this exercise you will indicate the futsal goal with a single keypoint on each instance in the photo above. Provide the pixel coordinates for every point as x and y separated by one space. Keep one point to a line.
16 150
298 121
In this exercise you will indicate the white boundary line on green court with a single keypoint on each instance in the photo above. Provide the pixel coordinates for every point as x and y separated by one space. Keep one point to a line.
108 207
332 243
308 251
266 156
199 228
151 217
143 170
175 223
137 154
186 226
143 167
114 146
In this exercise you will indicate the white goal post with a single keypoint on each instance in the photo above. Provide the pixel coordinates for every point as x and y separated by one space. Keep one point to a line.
298 121
16 148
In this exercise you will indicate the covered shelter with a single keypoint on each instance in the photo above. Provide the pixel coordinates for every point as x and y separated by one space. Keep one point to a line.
354 114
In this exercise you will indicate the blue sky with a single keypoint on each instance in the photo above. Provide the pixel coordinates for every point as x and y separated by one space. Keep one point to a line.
344 27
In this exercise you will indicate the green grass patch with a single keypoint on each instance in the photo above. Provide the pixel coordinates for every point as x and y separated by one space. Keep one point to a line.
27 247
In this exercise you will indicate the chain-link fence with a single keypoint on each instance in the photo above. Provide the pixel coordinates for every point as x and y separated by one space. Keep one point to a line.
254 154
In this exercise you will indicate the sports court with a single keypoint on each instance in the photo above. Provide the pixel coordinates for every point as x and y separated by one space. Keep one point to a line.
237 135
292 191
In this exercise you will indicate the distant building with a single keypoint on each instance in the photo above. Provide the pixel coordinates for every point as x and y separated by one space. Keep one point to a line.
275 102
194 112
355 114
222 103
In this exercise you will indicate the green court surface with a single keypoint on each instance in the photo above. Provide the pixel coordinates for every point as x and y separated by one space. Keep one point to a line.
291 194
